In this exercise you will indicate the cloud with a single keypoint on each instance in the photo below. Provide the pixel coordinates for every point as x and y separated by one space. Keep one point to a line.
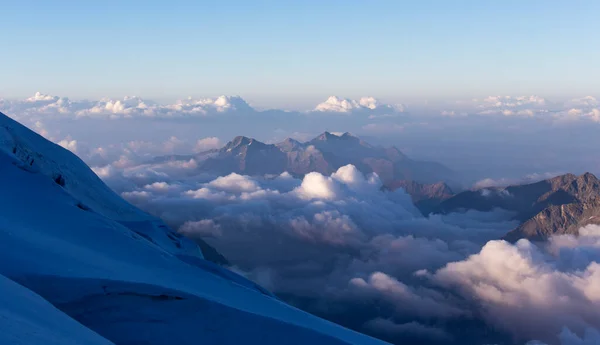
38 127
336 104
585 108
69 144
234 183
533 291
514 102
201 228
337 241
127 107
587 101
503 182
406 298
206 144
338 245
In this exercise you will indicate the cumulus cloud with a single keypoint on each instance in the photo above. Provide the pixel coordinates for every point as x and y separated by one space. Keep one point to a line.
336 104
514 102
201 228
530 290
69 144
584 109
339 242
127 107
206 144
587 101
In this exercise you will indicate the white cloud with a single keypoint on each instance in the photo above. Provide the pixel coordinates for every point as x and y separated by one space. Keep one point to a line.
317 186
514 102
202 228
533 291
587 101
234 183
405 297
104 172
159 187
208 143
69 144
336 104
503 182
126 107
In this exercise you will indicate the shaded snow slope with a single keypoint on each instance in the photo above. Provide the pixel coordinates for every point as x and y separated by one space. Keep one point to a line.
26 318
32 153
108 267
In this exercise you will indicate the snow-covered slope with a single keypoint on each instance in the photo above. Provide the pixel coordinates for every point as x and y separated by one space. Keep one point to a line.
120 272
26 318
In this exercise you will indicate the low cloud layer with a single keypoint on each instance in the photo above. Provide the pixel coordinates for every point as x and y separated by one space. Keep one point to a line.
584 108
327 242
342 248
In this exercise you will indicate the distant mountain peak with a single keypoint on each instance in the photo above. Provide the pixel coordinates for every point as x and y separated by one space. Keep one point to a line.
238 141
326 136
242 140
336 136
289 144
291 140
324 154
588 177
348 135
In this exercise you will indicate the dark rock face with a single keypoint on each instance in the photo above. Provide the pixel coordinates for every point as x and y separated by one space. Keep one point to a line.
557 220
560 205
426 197
247 156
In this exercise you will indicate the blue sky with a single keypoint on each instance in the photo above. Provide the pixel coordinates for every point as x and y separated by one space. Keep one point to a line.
298 52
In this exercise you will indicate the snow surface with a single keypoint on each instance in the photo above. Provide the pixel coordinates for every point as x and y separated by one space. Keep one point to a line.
26 318
121 272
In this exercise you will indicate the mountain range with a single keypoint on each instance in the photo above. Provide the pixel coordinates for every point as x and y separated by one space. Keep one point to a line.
559 205
80 265
425 181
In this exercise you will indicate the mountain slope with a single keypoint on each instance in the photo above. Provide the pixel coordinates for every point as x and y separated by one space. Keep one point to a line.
26 318
324 154
557 220
121 272
426 197
554 206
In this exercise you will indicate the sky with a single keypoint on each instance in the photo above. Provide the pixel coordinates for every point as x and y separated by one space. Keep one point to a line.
293 54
